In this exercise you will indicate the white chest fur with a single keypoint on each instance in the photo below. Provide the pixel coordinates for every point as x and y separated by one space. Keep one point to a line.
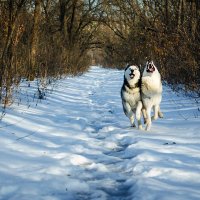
151 85
132 97
151 90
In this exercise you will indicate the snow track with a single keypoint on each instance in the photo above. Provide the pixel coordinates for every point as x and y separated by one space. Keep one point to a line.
77 145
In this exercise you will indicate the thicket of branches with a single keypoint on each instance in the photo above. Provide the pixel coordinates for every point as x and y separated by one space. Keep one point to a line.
41 38
167 31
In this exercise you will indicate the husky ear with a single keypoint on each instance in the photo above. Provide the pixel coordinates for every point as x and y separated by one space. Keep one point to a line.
138 67
127 66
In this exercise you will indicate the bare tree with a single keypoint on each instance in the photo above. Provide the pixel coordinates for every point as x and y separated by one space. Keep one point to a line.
12 11
35 37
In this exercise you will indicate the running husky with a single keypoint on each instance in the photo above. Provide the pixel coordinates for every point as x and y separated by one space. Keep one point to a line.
130 94
151 92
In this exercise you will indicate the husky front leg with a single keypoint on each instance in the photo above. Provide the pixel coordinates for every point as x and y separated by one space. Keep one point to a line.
144 115
138 114
160 114
129 113
132 120
148 112
156 108
139 124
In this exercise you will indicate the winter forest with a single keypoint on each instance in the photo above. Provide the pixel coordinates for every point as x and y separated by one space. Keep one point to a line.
45 38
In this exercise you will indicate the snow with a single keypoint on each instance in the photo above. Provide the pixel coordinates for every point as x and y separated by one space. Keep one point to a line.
77 144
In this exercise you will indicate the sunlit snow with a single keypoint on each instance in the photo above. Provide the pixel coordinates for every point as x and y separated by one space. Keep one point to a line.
78 145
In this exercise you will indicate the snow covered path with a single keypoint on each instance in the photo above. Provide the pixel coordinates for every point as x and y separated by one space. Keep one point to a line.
77 145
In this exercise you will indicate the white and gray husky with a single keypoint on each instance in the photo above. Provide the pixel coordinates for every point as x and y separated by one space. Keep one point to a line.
130 94
151 93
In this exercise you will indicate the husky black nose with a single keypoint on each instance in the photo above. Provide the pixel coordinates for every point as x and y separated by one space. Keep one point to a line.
150 66
132 70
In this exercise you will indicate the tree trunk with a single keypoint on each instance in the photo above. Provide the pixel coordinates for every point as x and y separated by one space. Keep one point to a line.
34 38
193 25
179 13
166 13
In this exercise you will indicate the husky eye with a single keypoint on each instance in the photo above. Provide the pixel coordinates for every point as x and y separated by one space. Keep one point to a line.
150 66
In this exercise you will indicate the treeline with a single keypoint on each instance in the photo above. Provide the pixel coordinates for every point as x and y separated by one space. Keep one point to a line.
42 38
167 31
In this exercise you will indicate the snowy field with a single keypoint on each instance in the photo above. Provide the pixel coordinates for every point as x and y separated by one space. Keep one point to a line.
77 145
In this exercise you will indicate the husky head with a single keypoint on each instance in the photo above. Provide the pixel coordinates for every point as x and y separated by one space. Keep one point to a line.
150 68
132 74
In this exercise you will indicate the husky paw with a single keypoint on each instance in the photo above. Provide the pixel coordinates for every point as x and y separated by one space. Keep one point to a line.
140 127
148 127
133 125
154 117
160 115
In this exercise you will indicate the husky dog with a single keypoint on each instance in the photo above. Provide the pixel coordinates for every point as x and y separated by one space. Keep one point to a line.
151 92
130 94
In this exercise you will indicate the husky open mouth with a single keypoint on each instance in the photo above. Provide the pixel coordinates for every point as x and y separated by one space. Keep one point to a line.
150 68
132 75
